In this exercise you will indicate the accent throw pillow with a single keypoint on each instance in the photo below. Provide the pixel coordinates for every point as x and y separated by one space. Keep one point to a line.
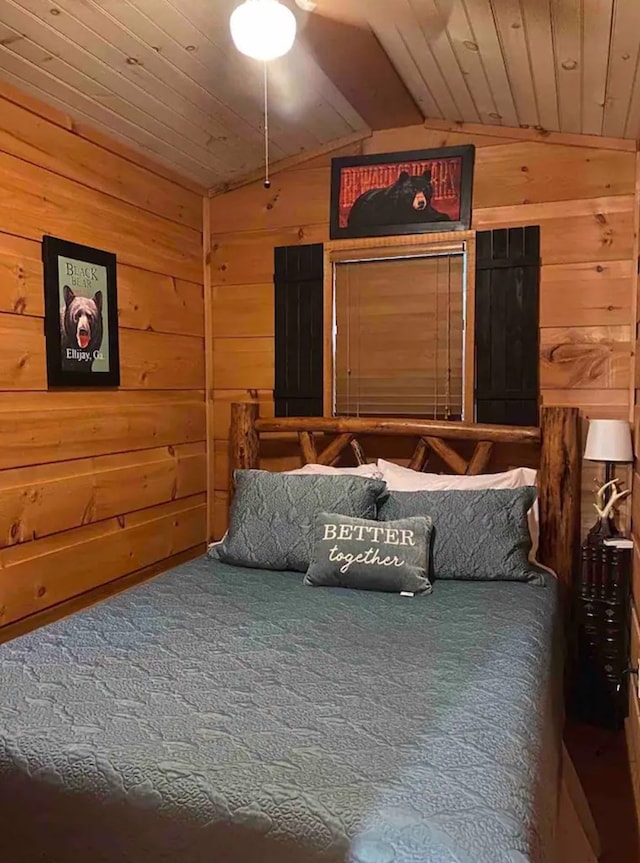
479 534
368 555
272 515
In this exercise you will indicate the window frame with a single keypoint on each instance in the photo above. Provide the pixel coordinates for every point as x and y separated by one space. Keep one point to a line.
413 246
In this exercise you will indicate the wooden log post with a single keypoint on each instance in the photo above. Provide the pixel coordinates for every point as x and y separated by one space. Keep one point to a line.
559 491
244 443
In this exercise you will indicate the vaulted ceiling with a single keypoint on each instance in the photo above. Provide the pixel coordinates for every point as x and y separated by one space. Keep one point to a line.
163 75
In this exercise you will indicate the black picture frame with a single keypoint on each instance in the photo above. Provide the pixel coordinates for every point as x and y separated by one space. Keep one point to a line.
81 315
413 160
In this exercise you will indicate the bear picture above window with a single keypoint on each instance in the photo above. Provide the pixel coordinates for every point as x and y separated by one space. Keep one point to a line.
415 192
81 315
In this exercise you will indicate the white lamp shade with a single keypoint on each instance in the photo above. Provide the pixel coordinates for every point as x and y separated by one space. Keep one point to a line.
263 29
609 440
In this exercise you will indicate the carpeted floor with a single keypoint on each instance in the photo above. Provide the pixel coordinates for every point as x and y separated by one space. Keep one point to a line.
600 758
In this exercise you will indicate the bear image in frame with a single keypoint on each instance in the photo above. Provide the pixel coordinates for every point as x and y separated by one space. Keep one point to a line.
415 192
81 315
81 330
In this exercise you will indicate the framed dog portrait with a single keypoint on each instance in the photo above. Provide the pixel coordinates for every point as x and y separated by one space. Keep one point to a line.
81 315
416 192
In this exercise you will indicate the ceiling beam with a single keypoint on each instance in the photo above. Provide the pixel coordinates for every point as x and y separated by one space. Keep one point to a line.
350 55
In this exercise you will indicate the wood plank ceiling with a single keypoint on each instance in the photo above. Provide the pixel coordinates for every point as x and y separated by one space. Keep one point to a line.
164 77
560 65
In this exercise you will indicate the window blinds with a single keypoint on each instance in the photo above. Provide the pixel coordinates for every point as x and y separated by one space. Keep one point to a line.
399 337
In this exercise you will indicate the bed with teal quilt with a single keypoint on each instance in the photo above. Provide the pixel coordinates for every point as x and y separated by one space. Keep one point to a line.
221 714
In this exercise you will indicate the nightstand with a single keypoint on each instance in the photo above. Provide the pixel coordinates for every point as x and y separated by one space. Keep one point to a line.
602 618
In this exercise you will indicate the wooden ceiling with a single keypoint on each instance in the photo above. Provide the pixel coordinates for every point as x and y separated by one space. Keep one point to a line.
560 65
163 75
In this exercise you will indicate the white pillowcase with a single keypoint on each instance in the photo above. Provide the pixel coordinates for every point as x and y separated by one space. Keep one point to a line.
400 478
404 479
369 471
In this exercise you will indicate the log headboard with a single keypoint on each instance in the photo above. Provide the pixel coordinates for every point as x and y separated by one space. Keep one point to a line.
555 444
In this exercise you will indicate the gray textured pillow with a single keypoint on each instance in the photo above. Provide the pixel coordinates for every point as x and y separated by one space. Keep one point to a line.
479 534
368 555
272 515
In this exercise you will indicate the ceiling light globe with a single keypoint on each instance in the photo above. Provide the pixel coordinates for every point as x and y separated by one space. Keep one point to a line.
263 29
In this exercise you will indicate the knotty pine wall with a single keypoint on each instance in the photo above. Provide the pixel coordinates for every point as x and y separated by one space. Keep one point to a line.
580 190
96 485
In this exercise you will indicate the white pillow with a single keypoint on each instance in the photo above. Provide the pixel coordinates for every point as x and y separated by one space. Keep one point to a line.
369 471
400 478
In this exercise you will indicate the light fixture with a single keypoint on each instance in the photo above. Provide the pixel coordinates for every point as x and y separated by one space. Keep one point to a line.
608 441
263 29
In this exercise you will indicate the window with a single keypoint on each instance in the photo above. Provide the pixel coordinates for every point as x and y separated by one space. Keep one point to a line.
406 326
399 337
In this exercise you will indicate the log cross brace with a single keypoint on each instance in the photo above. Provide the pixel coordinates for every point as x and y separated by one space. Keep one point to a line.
332 452
476 464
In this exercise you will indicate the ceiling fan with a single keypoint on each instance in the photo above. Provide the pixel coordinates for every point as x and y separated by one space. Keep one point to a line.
266 29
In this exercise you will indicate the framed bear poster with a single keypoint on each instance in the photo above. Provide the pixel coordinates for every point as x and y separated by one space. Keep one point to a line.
416 192
81 315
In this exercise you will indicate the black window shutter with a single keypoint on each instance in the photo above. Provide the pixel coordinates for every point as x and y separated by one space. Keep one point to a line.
299 330
507 323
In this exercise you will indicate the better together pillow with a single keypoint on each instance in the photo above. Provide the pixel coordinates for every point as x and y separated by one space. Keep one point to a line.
272 515
480 534
369 555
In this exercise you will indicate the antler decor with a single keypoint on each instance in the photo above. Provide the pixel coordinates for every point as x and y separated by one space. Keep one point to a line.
605 508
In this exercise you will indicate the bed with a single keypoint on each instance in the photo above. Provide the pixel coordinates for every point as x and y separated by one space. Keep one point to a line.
226 714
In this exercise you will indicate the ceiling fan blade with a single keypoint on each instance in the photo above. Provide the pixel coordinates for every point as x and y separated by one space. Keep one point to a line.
375 14
344 11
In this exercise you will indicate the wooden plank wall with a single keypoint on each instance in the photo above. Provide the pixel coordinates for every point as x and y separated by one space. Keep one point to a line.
581 191
96 485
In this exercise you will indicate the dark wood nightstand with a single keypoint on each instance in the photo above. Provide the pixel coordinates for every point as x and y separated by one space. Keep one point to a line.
602 618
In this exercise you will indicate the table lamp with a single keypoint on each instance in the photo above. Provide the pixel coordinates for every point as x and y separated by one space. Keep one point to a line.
608 441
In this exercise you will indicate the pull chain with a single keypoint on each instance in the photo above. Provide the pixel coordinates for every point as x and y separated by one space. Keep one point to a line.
267 181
